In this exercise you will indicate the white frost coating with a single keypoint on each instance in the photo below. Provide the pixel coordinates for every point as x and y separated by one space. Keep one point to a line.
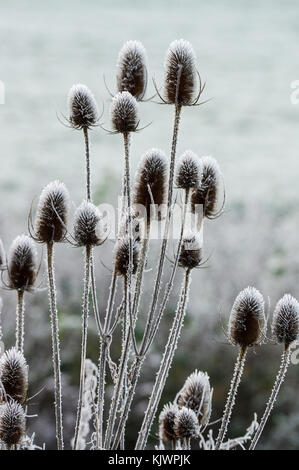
210 165
20 247
185 424
192 241
285 324
88 217
124 104
52 191
135 48
197 395
80 94
2 255
183 49
189 170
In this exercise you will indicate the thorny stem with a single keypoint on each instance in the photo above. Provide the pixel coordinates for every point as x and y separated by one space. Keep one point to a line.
165 366
140 269
55 345
285 361
20 321
88 184
85 313
231 398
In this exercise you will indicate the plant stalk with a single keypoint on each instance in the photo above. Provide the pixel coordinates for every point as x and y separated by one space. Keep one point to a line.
20 321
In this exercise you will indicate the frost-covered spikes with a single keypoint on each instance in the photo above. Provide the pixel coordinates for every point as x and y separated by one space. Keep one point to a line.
191 251
207 194
52 213
131 69
137 229
82 107
196 395
88 225
186 424
122 256
14 375
2 257
247 323
22 264
189 170
166 422
12 423
285 326
124 113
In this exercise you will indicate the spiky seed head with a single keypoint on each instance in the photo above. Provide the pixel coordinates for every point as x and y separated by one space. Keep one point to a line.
185 424
196 395
124 113
188 173
82 107
247 321
14 375
52 213
191 251
180 73
131 69
12 423
137 231
122 256
285 326
151 180
88 225
166 422
207 194
22 264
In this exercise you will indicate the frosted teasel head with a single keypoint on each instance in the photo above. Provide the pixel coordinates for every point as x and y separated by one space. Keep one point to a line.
122 256
166 422
207 194
14 375
82 107
285 326
137 229
191 251
2 257
52 214
12 423
88 225
22 264
186 424
131 69
188 172
151 181
124 113
247 323
196 395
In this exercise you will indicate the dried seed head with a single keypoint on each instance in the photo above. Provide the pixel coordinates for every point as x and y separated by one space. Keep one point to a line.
22 264
52 213
191 251
82 107
150 180
188 172
196 395
12 423
137 232
121 256
285 324
131 69
88 225
247 321
207 194
166 422
14 375
124 113
185 424
180 73
2 256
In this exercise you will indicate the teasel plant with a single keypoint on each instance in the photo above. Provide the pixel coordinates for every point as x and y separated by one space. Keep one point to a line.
247 328
50 227
12 424
14 376
285 330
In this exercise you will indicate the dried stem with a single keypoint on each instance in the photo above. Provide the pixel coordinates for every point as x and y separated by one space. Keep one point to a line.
88 183
20 321
55 345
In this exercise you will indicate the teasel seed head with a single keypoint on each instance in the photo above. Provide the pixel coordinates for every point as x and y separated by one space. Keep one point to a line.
22 264
12 423
2 256
207 194
191 251
121 256
185 424
131 69
14 375
285 326
124 113
196 395
166 422
52 213
151 180
82 107
188 173
88 225
247 321
180 73
137 229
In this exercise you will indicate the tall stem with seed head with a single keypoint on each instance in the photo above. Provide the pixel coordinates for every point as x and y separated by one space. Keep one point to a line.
55 345
20 321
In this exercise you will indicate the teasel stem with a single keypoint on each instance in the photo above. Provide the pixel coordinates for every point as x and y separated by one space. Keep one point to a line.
285 361
231 398
20 321
55 345
87 155
140 268
85 314
165 366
